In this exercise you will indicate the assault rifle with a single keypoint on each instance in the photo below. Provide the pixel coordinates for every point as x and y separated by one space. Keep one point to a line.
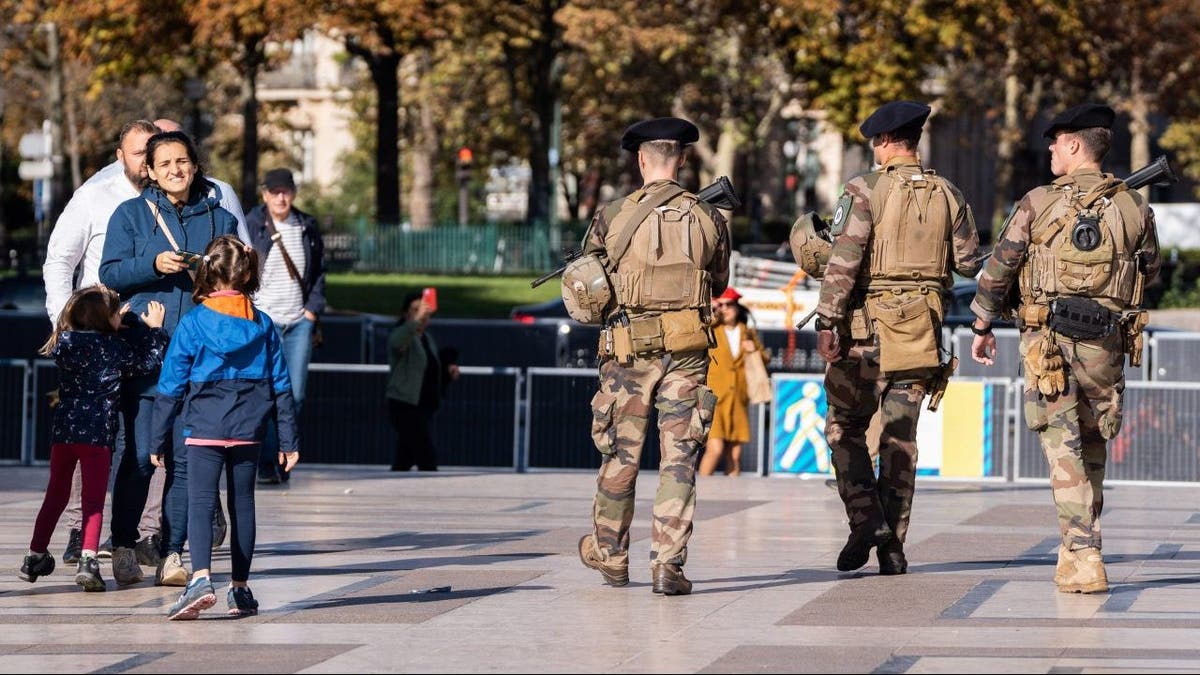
719 194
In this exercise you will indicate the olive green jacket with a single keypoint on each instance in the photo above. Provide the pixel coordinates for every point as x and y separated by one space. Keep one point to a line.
406 361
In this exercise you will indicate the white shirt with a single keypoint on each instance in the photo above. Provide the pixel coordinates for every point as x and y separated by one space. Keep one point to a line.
77 239
734 335
279 295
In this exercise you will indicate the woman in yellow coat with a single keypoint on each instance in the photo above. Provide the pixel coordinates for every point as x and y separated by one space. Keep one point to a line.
736 342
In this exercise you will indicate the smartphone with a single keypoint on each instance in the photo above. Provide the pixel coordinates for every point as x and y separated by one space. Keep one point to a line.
429 297
192 260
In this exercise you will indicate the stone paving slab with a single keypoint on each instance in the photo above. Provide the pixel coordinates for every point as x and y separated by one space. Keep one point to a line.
341 551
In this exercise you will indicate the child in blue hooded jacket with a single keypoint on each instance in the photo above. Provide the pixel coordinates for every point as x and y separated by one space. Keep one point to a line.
224 373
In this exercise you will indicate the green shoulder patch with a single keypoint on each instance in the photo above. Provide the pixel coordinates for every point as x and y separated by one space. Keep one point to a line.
841 214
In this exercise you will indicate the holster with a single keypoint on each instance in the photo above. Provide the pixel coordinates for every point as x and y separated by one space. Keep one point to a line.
1133 326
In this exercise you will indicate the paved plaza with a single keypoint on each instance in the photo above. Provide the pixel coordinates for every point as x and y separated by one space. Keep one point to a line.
343 554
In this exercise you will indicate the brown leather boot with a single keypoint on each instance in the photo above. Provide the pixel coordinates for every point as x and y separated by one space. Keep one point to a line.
614 575
669 579
1088 575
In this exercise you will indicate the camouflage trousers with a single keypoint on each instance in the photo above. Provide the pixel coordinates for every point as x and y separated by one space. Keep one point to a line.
855 389
1074 427
675 385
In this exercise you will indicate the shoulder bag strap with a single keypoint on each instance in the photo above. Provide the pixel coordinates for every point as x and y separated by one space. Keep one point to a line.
287 259
167 231
639 217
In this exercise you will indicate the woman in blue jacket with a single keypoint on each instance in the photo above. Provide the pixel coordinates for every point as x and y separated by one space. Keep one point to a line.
149 246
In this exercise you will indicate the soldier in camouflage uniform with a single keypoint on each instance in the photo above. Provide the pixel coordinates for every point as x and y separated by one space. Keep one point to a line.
1081 250
898 232
669 252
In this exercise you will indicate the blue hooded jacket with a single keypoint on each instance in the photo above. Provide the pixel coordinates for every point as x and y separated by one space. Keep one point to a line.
227 373
134 238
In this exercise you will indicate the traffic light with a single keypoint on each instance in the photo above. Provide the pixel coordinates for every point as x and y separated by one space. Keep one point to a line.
463 164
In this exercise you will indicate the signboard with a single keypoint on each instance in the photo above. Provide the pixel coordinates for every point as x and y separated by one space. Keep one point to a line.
956 441
770 305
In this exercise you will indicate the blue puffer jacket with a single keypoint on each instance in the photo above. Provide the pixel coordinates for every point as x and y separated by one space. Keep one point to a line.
225 368
134 238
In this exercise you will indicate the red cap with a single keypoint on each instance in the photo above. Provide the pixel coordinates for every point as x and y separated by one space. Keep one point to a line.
731 295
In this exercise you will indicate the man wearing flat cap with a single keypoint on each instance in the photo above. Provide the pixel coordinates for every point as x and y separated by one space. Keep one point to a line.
898 231
291 255
666 253
1080 250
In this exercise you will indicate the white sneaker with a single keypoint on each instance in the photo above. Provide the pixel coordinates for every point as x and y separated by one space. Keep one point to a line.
171 571
125 566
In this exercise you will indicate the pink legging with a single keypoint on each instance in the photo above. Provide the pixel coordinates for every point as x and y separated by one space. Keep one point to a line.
94 461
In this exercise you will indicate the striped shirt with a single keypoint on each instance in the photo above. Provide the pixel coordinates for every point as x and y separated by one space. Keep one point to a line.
279 295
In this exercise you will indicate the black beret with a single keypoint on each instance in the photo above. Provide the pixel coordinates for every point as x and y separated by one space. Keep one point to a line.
1082 116
659 129
893 116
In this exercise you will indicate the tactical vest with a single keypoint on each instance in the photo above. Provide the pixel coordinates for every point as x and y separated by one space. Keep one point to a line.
1055 266
664 267
913 215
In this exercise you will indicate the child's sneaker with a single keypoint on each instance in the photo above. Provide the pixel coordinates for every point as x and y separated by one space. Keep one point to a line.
36 565
88 575
198 596
241 601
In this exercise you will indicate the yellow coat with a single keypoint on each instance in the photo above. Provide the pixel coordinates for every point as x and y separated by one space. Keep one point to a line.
727 379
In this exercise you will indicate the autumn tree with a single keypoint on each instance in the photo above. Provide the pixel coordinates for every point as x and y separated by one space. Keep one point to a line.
239 32
381 33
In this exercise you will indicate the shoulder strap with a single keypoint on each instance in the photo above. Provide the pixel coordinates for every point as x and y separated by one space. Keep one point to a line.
639 217
167 231
163 224
287 259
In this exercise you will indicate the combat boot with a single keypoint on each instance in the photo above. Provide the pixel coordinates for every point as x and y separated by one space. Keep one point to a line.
669 579
614 575
1066 565
1088 575
891 558
863 538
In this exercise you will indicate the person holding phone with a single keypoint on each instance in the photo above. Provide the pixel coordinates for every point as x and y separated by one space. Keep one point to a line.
417 382
178 210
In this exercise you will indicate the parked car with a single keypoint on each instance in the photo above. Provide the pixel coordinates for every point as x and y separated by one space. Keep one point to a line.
554 310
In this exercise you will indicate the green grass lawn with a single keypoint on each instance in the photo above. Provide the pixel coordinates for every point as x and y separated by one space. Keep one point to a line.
474 297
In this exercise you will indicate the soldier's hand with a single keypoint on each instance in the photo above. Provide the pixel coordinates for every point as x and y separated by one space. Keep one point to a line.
828 347
983 349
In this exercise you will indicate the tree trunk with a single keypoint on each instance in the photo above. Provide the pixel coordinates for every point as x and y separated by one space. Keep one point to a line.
385 75
424 152
250 65
547 88
73 143
1139 123
1010 135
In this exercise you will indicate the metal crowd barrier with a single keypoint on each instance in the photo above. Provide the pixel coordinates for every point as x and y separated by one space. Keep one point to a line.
539 419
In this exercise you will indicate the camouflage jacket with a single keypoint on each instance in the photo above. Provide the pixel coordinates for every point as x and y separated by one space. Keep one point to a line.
718 267
1012 246
852 244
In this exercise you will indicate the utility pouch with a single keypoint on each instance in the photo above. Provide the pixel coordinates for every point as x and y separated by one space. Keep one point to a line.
1133 326
605 349
622 344
1080 318
646 334
908 338
860 324
683 331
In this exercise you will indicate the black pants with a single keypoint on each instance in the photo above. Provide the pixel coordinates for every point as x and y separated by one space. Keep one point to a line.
414 445
240 464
